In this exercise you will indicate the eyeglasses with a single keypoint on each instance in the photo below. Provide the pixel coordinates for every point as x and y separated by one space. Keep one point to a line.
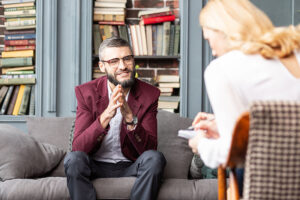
127 60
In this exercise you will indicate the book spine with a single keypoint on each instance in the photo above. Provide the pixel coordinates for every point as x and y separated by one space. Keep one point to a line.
115 31
20 12
19 42
172 39
139 39
13 100
13 32
101 28
20 37
177 39
123 32
19 27
25 100
156 20
19 5
20 23
15 62
157 14
6 100
143 37
159 40
166 38
97 38
17 81
3 92
32 101
149 39
19 8
134 40
19 48
19 72
19 100
15 1
129 36
154 39
13 54
112 22
109 17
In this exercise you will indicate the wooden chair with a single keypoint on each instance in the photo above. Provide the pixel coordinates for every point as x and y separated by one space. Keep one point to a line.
266 141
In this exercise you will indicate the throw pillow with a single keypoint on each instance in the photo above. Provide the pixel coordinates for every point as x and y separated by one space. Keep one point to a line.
21 156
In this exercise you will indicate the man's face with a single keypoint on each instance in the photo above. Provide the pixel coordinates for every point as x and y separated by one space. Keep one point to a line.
118 64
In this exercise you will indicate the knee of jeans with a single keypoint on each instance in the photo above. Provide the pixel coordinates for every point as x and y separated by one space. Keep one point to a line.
155 159
75 162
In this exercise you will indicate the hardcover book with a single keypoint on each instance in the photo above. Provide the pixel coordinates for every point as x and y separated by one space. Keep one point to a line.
19 42
13 54
3 92
13 100
19 100
25 100
156 20
15 62
20 36
6 100
17 81
166 38
32 101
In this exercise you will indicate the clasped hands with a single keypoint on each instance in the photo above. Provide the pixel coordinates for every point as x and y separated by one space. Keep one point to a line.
207 123
117 100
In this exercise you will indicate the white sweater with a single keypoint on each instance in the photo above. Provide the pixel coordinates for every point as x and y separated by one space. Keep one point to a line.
233 81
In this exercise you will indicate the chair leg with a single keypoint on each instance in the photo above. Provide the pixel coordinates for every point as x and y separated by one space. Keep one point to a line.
233 187
221 183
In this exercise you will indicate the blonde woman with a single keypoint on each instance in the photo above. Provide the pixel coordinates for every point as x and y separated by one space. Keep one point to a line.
256 61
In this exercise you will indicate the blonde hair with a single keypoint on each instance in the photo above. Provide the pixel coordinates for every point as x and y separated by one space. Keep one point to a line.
249 29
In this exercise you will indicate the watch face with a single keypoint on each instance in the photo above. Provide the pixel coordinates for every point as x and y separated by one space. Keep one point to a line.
135 120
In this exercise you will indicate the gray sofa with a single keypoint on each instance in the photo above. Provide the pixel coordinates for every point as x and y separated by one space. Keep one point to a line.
52 184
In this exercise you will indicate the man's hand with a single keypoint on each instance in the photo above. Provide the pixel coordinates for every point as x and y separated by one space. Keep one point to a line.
125 109
112 107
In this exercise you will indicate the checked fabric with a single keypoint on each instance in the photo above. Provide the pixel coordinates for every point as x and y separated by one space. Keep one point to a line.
272 169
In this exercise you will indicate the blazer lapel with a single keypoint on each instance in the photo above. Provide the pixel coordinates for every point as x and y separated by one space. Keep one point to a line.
102 93
133 99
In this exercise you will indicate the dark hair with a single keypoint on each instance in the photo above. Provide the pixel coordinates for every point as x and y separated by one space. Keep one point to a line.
113 42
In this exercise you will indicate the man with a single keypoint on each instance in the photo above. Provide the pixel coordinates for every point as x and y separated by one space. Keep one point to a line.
116 128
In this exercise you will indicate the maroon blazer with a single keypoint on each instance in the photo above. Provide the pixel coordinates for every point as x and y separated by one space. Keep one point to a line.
92 100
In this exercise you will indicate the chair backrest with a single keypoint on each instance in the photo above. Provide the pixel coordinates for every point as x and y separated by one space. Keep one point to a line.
272 168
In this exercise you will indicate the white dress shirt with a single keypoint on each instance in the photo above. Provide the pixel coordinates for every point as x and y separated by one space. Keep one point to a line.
233 81
110 149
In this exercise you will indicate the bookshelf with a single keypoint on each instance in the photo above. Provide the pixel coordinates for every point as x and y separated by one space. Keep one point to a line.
155 44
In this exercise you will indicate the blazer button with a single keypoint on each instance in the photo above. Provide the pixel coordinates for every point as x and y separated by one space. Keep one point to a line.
99 138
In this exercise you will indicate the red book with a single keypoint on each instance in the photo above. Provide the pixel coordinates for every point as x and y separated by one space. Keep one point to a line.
156 20
112 22
157 14
18 48
19 42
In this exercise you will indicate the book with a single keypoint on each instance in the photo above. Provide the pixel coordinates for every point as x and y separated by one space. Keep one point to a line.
6 100
15 1
134 39
166 94
149 39
20 36
13 54
19 42
25 100
32 101
107 31
109 17
153 11
123 32
110 4
166 38
124 1
143 37
20 12
154 39
13 69
101 29
16 5
20 72
173 85
176 40
96 38
139 39
112 22
13 100
157 14
19 100
17 81
19 48
165 89
12 32
110 11
156 20
19 8
189 133
15 62
167 78
168 102
172 39
114 31
159 39
3 92
19 23
129 35
19 27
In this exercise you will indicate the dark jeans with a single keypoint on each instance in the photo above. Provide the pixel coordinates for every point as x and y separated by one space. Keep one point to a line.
240 179
80 169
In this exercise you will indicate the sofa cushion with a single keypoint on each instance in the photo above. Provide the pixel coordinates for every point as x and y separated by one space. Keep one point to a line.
175 149
21 156
53 130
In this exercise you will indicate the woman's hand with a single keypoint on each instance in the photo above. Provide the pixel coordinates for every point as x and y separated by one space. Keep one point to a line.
207 123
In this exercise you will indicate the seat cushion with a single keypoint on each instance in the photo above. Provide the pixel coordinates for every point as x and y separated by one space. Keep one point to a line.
175 149
21 156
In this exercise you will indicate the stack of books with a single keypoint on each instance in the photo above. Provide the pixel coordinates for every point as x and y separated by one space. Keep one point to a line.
2 28
169 92
17 67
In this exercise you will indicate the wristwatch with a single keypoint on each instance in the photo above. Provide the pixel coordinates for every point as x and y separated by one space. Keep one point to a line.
133 122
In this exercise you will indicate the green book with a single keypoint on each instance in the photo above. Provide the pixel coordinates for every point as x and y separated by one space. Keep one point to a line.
19 27
32 101
6 100
16 62
166 38
20 72
25 101
3 92
97 38
123 32
159 40
19 8
177 39
17 81
172 39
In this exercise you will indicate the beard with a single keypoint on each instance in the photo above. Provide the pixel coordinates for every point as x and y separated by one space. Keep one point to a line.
125 84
